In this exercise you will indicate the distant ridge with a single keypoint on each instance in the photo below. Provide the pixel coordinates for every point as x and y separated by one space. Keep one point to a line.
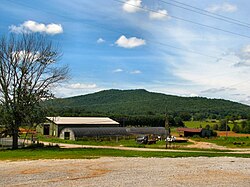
143 102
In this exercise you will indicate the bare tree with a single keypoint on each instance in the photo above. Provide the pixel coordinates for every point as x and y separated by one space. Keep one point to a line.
28 71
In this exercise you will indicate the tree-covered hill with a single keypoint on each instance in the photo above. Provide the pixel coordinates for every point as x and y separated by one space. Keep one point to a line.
143 103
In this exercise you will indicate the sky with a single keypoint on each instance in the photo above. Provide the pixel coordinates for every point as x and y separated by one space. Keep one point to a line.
177 47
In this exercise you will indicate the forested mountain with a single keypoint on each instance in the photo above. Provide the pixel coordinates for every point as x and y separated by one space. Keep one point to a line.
143 103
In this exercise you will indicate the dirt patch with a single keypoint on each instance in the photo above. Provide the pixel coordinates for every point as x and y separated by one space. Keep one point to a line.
205 145
108 171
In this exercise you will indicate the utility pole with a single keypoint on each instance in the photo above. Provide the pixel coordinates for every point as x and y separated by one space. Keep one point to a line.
226 128
167 127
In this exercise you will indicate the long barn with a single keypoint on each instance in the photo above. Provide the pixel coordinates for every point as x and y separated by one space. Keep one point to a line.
54 125
74 128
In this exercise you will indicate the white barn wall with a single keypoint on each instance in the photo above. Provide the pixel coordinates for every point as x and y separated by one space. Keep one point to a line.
72 135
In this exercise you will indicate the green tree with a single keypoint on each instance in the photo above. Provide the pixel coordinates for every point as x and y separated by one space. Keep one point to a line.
215 127
207 127
236 128
223 126
28 71
178 122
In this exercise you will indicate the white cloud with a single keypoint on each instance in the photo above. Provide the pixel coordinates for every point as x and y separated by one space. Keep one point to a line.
100 40
136 72
131 6
118 70
82 86
216 90
74 89
32 26
225 7
244 56
245 52
130 42
159 15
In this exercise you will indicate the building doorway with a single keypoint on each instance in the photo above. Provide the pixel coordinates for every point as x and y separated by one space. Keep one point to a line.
46 129
66 135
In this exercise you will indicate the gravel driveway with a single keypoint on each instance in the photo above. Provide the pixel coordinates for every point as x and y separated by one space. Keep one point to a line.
112 171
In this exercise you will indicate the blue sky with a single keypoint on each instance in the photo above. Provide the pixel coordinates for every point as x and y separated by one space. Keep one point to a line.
113 44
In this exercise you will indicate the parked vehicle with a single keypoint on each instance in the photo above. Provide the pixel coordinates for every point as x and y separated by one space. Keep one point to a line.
142 139
171 139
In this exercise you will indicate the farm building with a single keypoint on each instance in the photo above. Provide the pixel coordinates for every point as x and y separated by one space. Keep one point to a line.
74 128
189 132
78 133
54 125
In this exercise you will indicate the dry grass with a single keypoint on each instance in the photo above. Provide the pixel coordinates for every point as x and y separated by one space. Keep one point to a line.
232 134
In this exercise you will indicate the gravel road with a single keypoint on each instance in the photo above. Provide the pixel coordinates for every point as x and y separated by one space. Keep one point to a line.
113 171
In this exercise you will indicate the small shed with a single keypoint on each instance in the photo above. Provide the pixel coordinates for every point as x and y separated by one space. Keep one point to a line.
54 125
189 132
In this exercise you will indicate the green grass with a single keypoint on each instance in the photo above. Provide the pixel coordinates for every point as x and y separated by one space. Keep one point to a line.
227 142
87 153
123 143
197 124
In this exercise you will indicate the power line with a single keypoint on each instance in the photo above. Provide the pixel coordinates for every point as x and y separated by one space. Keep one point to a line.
155 42
209 14
228 18
185 20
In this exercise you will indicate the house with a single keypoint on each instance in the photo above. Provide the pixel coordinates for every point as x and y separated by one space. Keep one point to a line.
54 125
189 132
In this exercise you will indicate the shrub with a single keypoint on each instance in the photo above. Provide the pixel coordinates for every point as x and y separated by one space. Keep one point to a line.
196 136
223 126
215 127
236 128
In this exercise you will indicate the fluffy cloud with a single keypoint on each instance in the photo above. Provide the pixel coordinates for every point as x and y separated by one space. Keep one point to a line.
130 42
136 72
245 52
225 7
159 15
244 56
100 40
117 70
131 6
82 86
32 26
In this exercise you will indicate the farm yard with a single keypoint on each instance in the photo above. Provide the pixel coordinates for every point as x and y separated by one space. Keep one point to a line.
124 93
121 161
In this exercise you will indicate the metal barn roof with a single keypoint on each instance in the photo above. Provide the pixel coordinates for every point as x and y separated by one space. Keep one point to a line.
106 131
82 120
189 130
147 130
116 131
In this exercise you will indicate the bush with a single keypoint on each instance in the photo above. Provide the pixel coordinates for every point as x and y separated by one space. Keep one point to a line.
223 126
207 127
196 136
214 133
236 128
215 127
37 145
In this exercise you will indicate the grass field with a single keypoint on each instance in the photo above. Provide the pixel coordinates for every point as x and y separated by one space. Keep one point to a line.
122 142
198 124
87 153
